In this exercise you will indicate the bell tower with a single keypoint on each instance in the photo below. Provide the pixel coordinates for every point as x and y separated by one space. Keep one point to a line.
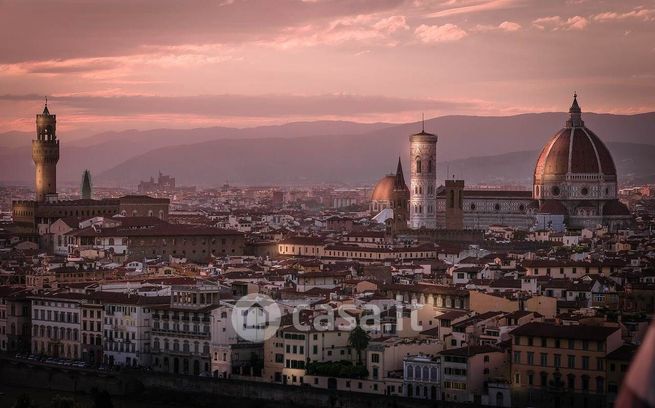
423 188
45 153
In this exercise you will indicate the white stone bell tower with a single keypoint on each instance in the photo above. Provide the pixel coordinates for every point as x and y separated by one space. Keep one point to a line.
423 199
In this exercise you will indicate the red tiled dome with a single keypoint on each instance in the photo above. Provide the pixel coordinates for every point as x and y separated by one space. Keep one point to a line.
383 190
574 150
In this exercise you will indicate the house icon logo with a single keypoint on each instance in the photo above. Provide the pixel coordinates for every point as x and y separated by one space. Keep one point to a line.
256 317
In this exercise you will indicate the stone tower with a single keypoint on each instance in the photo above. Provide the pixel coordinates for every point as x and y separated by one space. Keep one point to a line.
45 153
85 189
400 200
455 204
423 159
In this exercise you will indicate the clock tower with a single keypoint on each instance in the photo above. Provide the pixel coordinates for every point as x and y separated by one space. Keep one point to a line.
45 153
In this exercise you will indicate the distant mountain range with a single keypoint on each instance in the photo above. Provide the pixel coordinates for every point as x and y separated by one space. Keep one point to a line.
479 149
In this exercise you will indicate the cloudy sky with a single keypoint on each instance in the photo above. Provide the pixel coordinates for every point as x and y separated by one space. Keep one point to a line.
170 63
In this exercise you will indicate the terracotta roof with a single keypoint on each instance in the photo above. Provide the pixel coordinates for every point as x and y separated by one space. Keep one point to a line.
624 353
517 194
615 207
470 351
554 207
161 230
578 332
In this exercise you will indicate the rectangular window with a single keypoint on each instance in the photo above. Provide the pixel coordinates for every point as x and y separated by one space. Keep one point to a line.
600 364
585 363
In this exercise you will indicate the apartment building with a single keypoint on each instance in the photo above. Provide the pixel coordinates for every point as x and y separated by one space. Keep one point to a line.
566 362
287 353
231 354
127 327
56 324
181 330
15 319
465 371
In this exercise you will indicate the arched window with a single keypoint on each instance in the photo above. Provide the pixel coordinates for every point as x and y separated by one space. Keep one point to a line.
430 166
417 372
410 371
418 165
499 399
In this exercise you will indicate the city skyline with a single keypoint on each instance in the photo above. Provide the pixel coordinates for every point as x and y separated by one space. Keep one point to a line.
240 63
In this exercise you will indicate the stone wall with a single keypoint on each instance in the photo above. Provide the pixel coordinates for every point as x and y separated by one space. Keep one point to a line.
137 384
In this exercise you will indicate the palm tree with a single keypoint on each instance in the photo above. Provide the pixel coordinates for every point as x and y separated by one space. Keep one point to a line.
358 340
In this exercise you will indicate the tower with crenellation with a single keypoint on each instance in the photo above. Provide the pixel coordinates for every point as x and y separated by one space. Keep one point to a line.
45 153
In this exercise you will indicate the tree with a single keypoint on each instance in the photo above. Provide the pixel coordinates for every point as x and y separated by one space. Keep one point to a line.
358 340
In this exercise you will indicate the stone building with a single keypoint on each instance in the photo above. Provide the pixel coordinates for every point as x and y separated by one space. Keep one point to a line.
423 184
575 176
181 330
32 218
153 238
56 325
551 362
127 328
481 209
45 153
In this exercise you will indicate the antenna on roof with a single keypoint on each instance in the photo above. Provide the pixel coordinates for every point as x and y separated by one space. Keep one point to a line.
46 101
422 122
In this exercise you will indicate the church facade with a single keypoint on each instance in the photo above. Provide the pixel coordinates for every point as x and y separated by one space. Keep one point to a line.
575 185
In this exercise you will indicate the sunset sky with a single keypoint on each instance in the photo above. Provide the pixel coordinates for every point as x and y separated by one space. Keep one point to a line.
193 63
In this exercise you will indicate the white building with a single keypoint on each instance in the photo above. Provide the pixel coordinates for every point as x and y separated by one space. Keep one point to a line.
127 327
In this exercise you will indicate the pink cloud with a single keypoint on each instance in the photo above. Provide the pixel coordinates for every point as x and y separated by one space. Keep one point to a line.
558 23
509 26
367 29
472 6
641 14
439 33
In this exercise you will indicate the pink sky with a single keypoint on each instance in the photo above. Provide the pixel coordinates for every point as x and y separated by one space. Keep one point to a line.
169 63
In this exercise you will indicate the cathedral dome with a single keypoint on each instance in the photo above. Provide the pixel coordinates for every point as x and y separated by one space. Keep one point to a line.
575 164
383 190
574 150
